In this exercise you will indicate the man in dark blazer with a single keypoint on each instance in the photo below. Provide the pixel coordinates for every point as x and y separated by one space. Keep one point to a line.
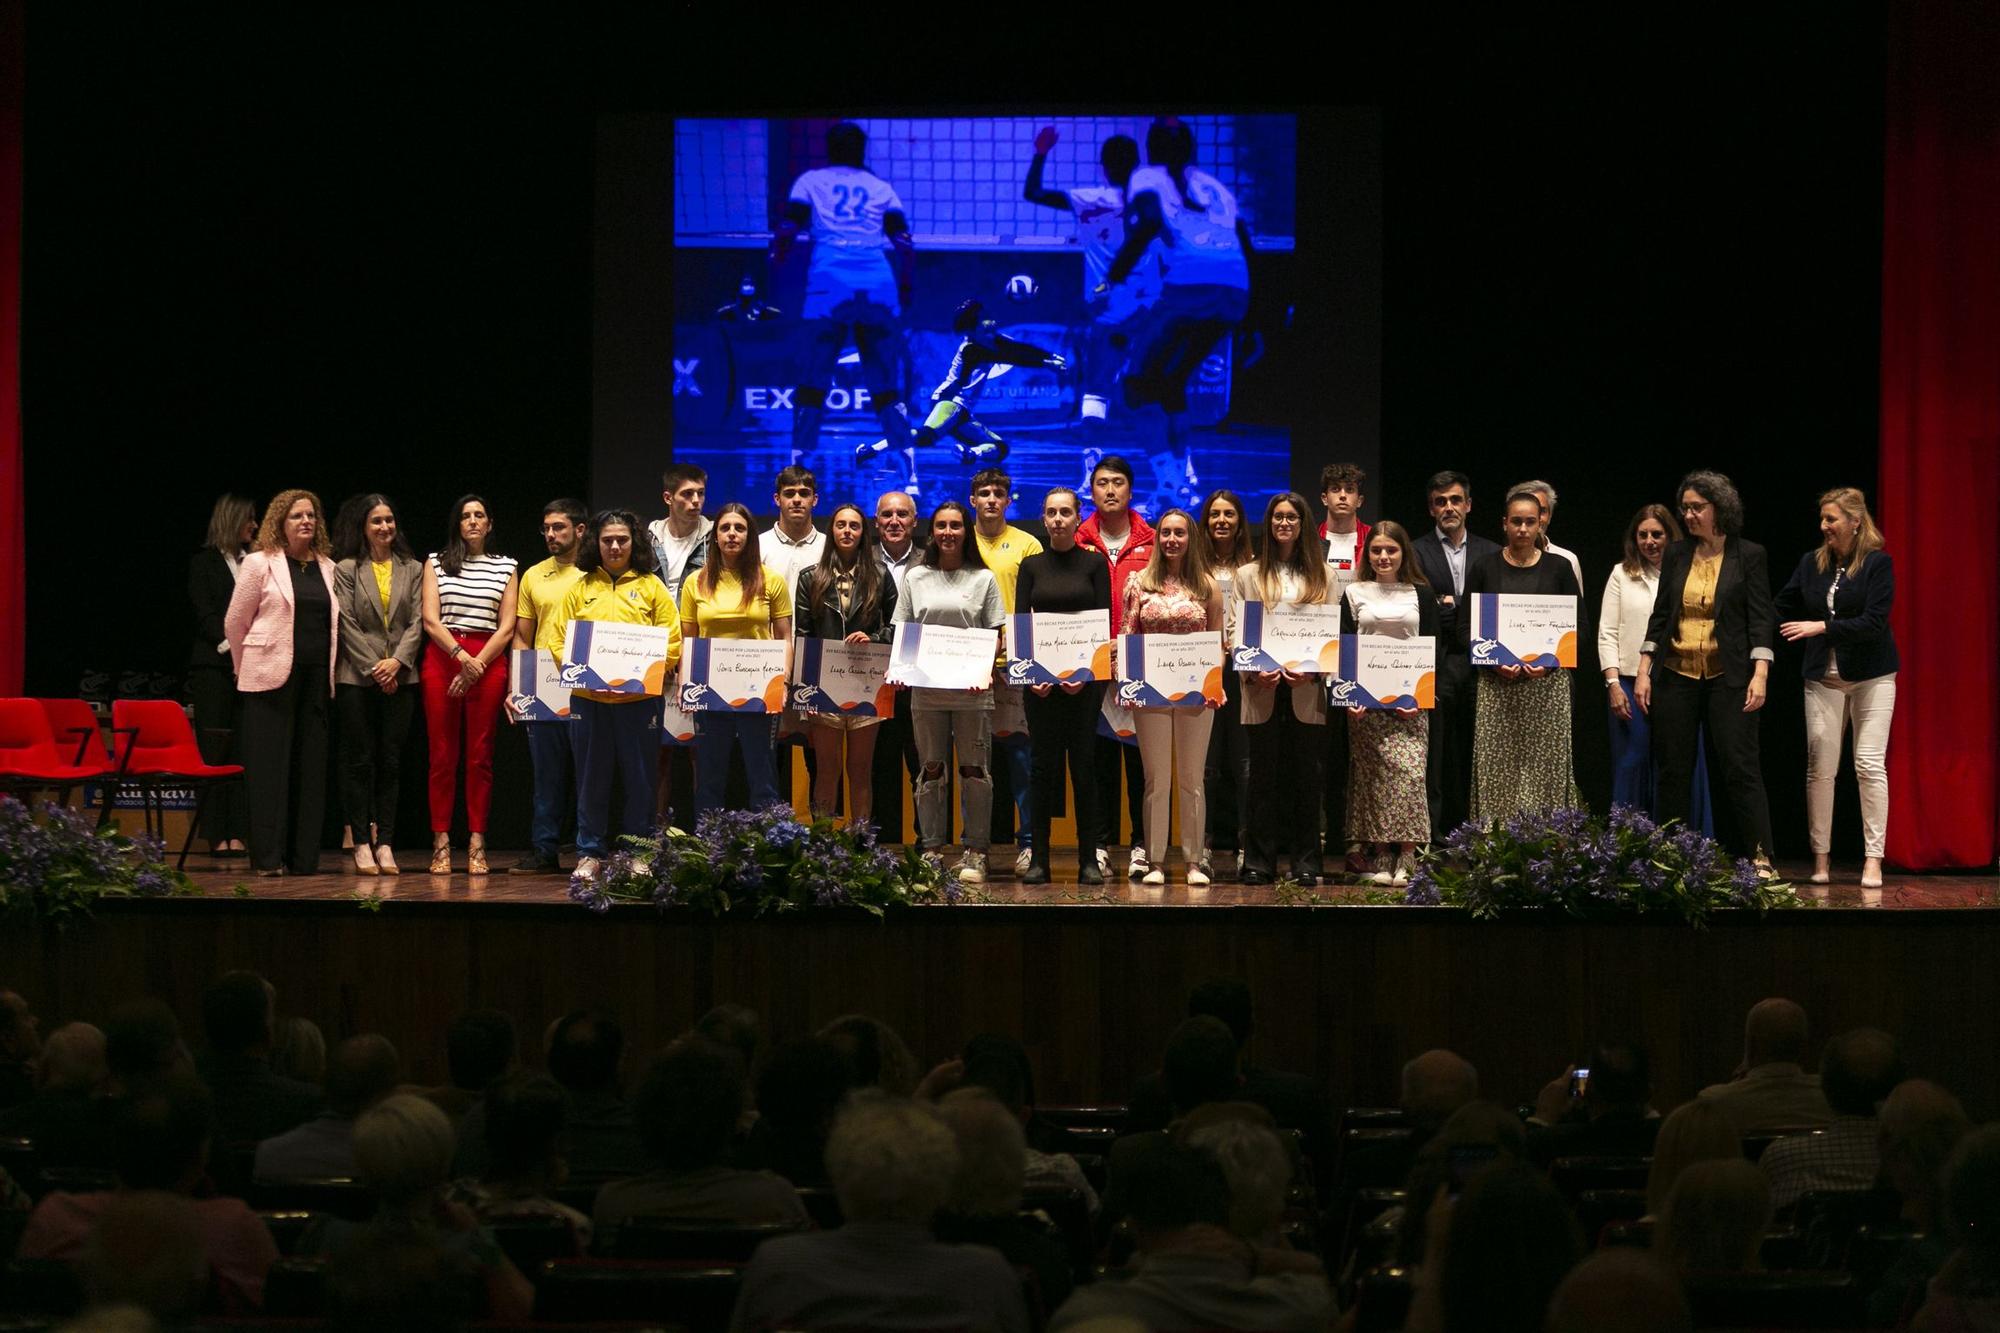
1445 553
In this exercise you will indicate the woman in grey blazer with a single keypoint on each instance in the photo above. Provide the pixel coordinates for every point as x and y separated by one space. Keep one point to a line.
378 585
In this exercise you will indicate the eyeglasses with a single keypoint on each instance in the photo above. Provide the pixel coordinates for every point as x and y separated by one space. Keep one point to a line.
1695 508
1289 520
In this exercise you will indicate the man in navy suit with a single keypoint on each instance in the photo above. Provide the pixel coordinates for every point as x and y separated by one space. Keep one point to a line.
1445 553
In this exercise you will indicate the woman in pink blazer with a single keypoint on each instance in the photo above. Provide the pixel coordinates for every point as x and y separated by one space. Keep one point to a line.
283 626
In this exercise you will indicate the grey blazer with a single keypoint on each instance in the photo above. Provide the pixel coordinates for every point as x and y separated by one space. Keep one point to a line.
366 637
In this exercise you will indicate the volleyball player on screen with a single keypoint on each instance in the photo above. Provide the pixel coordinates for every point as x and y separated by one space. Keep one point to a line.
852 289
1188 219
983 347
1100 229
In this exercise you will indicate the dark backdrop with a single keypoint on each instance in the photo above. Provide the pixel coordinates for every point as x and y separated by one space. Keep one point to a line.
356 252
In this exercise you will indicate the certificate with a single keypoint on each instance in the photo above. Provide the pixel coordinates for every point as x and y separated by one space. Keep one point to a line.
676 727
1377 671
845 679
733 675
1169 670
1275 636
615 658
1514 630
1052 647
535 689
942 657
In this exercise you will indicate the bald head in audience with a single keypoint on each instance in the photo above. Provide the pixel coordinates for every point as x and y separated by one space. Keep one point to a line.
1620 1290
1437 1083
1774 1033
73 1059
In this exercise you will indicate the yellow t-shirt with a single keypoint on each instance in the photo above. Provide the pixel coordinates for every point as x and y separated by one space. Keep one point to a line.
1695 648
1004 554
631 599
384 571
543 590
718 616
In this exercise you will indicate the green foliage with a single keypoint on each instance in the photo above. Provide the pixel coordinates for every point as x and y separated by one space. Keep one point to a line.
55 869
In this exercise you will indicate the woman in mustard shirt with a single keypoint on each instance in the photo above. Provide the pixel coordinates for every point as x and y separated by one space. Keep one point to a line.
608 731
734 597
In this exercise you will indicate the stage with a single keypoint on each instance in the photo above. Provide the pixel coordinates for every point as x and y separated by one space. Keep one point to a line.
1347 992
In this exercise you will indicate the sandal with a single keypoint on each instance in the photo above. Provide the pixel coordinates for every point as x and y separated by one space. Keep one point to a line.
441 855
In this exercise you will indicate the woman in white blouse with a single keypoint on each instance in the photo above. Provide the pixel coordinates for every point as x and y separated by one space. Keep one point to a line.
1388 811
1621 629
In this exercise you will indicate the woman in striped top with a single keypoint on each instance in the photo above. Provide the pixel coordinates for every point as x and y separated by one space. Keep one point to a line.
468 595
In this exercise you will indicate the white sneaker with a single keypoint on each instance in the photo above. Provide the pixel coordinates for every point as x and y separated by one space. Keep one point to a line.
971 868
586 869
1103 861
1406 865
1022 860
1154 876
1198 876
1137 867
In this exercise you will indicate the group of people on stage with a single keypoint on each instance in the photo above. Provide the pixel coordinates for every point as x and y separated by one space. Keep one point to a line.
350 619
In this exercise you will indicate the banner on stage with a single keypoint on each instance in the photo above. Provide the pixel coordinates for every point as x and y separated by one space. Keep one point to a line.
733 675
1285 636
1377 671
942 657
1170 670
1055 647
535 689
842 679
615 658
1510 629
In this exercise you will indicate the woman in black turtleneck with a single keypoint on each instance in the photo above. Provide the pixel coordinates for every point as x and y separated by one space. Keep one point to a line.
1062 719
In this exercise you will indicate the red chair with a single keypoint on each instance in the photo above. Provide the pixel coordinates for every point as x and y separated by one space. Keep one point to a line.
30 759
74 723
162 753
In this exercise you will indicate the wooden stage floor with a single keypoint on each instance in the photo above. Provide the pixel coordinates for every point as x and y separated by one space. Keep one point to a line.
219 879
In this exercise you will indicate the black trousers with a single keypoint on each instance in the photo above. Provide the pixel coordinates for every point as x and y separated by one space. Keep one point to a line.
1683 712
1448 764
283 740
896 768
1285 756
1114 757
373 727
225 807
1063 729
1228 769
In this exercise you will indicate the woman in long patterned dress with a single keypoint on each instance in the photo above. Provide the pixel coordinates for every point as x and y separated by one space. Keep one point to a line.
1521 756
1388 809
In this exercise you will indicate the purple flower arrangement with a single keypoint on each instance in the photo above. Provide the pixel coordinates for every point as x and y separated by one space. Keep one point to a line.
1568 861
763 861
55 868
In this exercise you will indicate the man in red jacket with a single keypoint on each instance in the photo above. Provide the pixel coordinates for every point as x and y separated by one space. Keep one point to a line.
1125 539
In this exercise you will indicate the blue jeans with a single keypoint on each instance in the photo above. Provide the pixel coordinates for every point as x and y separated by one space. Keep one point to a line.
608 738
1017 752
1633 769
555 769
715 735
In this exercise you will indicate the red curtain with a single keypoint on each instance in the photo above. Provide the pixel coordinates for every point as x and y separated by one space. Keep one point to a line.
1941 427
13 578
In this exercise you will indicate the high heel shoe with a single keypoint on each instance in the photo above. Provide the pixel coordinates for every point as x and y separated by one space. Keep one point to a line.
1871 873
385 859
1822 872
475 856
364 860
441 855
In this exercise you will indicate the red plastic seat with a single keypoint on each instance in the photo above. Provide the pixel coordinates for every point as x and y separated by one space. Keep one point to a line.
162 752
30 757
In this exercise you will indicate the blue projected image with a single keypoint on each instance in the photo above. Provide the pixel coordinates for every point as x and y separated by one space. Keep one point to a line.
898 303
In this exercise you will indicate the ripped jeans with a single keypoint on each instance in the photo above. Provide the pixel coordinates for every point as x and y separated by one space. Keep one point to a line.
939 732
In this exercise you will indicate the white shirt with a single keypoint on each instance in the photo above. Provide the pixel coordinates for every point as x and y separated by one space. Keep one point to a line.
673 552
1203 246
1454 557
895 566
848 205
788 557
1622 617
1342 555
1388 609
